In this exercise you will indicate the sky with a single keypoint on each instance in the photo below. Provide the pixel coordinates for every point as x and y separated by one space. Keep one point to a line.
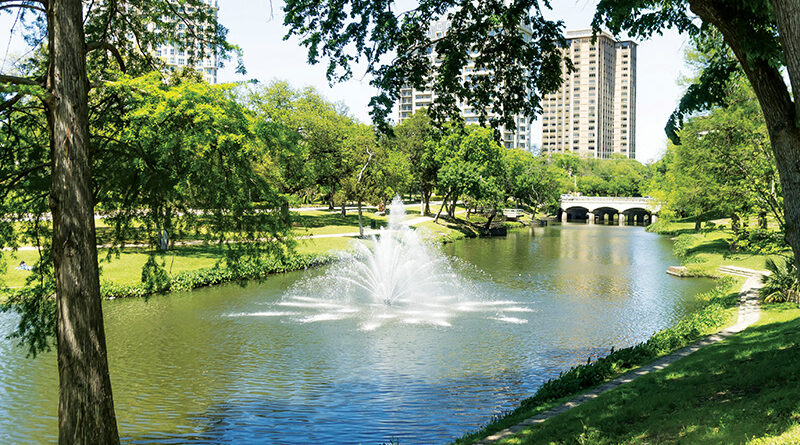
257 27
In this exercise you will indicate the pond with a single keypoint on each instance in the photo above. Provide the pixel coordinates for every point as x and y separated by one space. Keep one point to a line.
238 364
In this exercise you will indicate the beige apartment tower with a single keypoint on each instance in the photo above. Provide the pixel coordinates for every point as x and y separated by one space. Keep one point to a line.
175 57
594 112
412 99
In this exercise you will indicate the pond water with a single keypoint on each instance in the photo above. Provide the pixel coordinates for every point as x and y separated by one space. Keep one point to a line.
250 364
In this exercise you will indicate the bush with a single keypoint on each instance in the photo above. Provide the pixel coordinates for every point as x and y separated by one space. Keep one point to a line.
682 245
761 241
154 282
782 283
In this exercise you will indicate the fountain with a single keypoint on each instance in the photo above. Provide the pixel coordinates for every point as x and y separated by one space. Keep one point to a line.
394 276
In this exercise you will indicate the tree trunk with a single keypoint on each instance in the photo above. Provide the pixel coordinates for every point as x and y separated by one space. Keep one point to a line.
330 202
762 220
491 218
786 146
85 404
697 223
781 113
426 196
735 225
451 209
344 209
360 224
444 202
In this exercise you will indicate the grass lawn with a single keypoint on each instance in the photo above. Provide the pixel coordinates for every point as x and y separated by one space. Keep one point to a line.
708 249
745 389
127 268
324 222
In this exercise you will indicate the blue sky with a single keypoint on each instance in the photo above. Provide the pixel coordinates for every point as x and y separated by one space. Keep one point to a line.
259 31
257 27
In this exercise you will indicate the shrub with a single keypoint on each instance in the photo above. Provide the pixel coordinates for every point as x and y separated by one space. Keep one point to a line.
761 241
154 277
682 245
663 342
154 281
782 283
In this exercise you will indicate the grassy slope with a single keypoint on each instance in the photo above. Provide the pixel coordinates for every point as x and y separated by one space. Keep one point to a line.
745 389
728 316
709 249
127 268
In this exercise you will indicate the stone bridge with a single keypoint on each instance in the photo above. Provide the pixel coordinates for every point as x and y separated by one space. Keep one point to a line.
604 209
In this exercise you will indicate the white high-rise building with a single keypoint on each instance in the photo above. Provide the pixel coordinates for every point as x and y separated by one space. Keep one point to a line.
175 57
594 112
412 99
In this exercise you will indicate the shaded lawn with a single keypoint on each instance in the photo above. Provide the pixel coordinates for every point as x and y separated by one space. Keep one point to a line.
745 389
323 222
711 250
126 268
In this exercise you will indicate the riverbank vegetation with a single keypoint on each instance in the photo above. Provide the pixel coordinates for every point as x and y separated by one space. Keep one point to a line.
741 390
717 310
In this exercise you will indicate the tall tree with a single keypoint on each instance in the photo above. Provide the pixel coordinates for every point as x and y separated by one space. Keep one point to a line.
511 69
764 36
417 138
66 34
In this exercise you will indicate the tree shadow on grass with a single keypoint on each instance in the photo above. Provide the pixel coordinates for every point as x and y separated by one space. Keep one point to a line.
716 246
333 219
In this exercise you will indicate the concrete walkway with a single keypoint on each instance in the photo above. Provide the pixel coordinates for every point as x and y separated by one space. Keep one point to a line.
749 312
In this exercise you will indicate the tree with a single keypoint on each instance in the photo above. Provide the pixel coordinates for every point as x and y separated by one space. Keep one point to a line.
764 36
416 137
360 158
120 30
723 163
471 164
278 113
512 70
530 179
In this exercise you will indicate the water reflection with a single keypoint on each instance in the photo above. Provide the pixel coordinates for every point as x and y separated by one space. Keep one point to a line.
187 367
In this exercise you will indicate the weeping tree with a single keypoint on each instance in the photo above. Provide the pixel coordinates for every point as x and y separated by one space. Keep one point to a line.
48 165
764 39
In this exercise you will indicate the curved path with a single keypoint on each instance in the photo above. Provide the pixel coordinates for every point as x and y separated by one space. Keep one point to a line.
749 312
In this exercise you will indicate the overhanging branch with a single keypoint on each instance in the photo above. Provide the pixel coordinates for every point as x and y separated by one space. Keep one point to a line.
10 103
16 80
91 46
21 5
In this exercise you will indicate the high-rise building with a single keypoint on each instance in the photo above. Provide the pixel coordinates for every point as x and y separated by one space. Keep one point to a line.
412 99
594 112
176 57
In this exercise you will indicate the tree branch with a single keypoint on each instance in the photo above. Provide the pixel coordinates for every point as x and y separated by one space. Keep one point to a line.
788 20
91 46
10 103
21 5
20 80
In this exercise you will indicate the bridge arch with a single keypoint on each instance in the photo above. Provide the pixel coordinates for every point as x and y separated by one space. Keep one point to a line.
574 213
630 210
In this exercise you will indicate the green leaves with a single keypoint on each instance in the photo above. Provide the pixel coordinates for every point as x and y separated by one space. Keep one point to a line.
513 52
781 284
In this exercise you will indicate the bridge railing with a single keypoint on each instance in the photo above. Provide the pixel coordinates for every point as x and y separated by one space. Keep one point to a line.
571 198
513 213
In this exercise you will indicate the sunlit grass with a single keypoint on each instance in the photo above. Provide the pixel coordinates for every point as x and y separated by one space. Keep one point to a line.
742 390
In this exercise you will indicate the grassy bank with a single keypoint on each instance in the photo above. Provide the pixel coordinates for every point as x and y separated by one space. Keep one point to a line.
718 310
704 251
193 266
742 390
